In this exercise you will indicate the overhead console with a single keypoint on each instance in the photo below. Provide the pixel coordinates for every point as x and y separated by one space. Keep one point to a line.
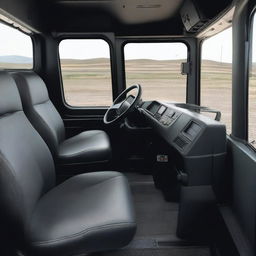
192 18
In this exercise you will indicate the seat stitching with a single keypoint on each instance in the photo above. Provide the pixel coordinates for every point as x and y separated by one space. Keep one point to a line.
84 151
81 152
10 113
99 228
41 103
16 186
48 128
90 186
25 83
89 229
93 135
103 181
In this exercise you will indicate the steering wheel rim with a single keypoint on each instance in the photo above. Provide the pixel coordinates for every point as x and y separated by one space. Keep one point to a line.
123 107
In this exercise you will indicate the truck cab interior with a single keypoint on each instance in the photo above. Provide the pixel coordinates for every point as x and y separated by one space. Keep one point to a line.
127 127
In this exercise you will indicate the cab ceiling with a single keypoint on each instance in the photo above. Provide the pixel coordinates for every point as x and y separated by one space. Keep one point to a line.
130 11
123 17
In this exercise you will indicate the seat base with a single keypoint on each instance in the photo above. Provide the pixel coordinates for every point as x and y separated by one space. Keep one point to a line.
87 147
87 213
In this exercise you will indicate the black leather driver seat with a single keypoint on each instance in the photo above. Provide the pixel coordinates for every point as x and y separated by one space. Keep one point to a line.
87 213
87 147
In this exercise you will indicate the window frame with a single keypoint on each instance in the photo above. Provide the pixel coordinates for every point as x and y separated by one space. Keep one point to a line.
156 40
30 35
200 72
112 71
252 17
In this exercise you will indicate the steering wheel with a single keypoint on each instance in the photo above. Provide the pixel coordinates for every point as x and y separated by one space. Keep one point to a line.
123 105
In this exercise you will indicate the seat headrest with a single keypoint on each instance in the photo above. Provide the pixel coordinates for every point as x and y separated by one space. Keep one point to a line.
9 95
31 87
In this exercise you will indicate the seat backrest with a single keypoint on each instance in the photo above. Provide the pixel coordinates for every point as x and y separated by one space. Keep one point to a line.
26 164
39 109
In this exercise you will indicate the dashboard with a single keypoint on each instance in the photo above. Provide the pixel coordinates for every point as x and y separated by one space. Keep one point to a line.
190 132
199 140
196 150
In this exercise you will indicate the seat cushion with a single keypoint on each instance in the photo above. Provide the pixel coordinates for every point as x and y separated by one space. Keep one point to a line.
86 147
87 213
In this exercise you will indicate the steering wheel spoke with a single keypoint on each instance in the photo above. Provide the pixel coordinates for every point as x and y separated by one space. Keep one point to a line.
120 107
116 106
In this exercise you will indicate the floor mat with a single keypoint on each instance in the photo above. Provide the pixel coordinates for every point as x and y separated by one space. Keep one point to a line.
155 216
156 224
175 251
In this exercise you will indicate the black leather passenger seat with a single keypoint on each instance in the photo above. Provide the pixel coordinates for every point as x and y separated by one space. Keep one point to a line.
86 147
87 213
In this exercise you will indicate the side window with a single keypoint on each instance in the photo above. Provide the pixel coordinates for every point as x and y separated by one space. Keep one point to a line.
216 75
86 72
157 68
252 91
16 49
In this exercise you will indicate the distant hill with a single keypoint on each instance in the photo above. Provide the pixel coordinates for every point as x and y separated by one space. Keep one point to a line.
15 59
106 60
136 61
85 61
27 60
215 63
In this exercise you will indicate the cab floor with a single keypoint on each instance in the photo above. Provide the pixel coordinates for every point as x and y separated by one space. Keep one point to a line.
156 224
155 217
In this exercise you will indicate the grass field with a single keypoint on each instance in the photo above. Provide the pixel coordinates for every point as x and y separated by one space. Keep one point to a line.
88 83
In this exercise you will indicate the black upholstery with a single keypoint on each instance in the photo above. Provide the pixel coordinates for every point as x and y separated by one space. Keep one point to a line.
87 147
89 212
39 109
26 165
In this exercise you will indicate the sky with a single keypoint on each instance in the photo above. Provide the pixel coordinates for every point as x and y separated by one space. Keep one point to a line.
217 48
13 42
155 51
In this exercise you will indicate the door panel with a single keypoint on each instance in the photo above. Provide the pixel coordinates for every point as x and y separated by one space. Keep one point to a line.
243 202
